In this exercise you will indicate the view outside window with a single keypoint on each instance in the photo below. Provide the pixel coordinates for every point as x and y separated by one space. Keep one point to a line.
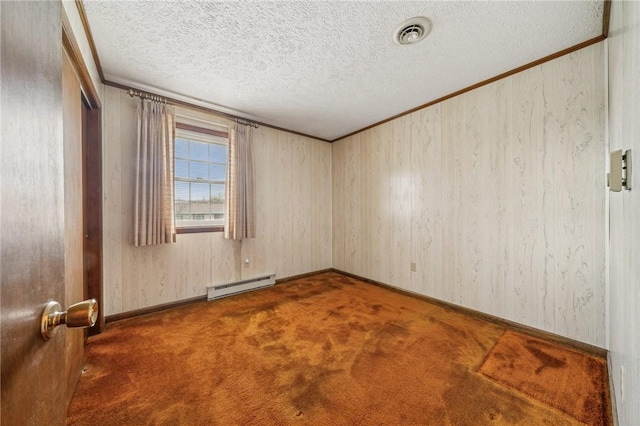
200 175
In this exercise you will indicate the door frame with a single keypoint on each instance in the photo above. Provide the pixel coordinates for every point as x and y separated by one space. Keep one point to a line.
91 173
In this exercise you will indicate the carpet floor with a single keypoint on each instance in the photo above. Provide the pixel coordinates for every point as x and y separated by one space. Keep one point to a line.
331 350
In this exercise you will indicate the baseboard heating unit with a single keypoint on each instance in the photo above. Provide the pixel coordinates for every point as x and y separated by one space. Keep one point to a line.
224 290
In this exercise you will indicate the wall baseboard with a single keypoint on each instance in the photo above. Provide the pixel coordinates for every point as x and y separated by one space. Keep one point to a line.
155 308
183 302
534 332
555 338
305 275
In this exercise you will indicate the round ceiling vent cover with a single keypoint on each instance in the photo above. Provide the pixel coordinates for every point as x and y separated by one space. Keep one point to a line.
412 31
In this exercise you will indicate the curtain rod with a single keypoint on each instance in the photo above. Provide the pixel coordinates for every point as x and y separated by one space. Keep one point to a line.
158 98
245 122
208 110
145 95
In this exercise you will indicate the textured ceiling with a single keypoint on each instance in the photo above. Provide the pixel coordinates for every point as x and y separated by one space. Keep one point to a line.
325 68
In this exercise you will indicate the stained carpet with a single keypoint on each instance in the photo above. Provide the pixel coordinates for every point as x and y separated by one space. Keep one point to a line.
561 378
323 350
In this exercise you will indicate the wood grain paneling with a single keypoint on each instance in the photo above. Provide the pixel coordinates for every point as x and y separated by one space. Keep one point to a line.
293 191
575 144
337 197
531 206
301 204
624 133
426 202
112 201
399 207
452 198
353 225
493 194
498 77
321 199
32 225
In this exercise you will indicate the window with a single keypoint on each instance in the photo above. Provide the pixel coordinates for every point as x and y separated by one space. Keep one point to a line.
200 175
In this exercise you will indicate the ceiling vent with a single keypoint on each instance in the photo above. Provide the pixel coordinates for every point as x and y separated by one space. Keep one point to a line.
412 31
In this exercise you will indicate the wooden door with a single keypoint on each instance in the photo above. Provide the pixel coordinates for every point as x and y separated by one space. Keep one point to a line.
32 264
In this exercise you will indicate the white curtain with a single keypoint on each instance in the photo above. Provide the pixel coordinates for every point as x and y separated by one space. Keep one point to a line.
239 216
154 221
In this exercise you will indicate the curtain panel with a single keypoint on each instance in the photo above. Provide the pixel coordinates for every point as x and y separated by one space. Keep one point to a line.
154 221
239 200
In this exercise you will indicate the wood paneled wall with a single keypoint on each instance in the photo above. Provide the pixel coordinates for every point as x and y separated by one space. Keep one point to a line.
293 191
293 186
497 195
624 133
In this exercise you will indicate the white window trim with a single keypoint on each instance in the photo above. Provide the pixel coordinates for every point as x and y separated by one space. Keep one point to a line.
205 138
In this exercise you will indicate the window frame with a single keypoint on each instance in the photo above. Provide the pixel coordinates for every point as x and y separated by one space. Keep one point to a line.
194 229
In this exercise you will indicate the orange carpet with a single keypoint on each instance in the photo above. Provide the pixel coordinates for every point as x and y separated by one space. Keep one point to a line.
560 378
323 350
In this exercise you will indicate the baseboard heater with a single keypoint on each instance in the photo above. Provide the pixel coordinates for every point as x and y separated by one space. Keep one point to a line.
224 290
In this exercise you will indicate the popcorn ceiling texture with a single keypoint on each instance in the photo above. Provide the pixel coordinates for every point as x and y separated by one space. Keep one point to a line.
325 68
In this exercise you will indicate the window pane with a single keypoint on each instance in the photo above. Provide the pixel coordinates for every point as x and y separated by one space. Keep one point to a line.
218 153
197 163
200 203
181 148
199 191
199 170
182 190
217 202
199 151
182 168
182 199
217 193
218 172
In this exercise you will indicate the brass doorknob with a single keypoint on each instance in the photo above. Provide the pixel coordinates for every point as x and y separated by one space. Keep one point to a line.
81 314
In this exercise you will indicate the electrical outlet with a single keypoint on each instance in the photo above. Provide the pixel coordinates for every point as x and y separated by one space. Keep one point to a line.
246 262
413 266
